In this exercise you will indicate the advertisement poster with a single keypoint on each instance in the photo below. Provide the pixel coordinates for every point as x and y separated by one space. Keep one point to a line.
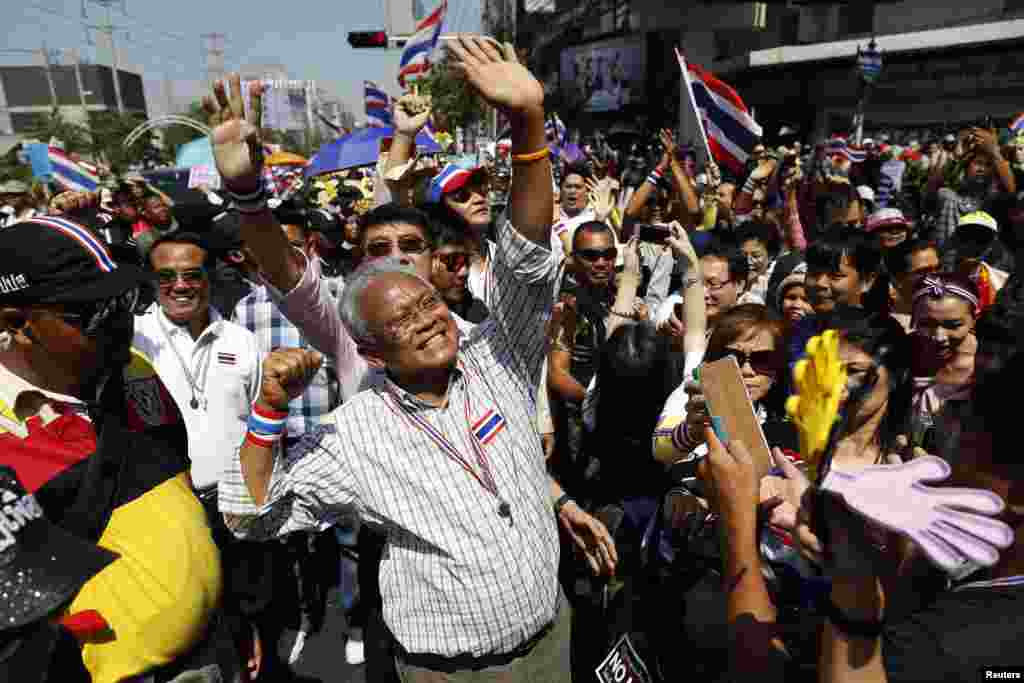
605 76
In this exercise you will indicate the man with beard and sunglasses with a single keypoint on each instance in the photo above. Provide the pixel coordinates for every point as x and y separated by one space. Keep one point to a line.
92 432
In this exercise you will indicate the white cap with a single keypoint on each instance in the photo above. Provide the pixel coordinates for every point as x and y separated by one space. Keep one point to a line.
866 193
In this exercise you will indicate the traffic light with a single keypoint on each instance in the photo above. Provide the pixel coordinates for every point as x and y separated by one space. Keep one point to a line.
368 38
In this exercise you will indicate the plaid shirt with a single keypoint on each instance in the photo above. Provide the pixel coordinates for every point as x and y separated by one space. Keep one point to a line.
457 576
258 313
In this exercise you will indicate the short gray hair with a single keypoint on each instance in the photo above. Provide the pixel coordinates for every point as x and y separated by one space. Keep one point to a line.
348 306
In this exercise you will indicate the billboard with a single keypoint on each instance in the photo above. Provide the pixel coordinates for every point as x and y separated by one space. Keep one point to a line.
606 75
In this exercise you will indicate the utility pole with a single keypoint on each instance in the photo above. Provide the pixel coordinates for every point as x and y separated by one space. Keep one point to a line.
49 76
213 56
110 30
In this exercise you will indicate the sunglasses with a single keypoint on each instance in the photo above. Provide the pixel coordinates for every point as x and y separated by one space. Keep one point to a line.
595 254
168 277
454 262
762 362
466 192
91 317
406 245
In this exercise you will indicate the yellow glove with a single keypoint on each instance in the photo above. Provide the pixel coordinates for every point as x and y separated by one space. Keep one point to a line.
820 379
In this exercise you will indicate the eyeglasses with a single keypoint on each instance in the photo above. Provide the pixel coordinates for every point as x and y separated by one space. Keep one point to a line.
91 317
762 362
402 328
168 277
592 255
713 286
406 245
454 261
466 192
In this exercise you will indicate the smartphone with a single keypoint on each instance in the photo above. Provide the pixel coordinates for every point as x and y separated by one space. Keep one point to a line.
658 234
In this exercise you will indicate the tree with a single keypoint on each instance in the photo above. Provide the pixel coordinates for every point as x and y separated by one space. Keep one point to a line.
174 136
108 132
73 137
454 102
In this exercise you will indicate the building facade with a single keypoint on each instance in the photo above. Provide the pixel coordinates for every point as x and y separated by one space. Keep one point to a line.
27 96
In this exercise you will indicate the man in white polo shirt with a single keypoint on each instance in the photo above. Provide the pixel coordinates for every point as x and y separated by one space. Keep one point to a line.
210 365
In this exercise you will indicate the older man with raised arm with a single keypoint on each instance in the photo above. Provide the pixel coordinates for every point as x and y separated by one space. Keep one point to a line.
441 451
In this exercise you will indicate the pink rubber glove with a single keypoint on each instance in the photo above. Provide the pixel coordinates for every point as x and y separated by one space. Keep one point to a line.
948 523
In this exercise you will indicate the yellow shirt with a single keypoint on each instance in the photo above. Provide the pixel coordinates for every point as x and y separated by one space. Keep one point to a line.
159 594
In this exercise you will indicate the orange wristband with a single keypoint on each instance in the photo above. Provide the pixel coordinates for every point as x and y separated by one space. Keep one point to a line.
532 156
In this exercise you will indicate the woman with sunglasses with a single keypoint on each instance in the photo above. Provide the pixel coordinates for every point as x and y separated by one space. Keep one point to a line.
945 311
754 336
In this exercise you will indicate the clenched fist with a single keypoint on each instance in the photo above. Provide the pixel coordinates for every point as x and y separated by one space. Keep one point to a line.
286 374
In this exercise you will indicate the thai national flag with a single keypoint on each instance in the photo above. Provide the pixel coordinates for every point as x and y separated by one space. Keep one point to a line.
415 60
838 146
71 174
1017 124
378 106
731 130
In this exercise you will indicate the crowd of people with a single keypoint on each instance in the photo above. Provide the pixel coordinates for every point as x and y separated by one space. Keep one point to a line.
493 411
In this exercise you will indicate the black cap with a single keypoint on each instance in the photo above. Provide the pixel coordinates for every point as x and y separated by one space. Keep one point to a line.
41 565
51 259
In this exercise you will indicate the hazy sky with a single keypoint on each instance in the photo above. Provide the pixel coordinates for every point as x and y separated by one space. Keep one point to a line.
163 38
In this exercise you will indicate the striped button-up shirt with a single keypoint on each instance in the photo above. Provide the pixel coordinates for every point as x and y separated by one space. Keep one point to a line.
457 577
259 314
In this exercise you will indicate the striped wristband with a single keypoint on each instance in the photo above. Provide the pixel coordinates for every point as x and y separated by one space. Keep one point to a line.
266 427
655 177
681 439
253 202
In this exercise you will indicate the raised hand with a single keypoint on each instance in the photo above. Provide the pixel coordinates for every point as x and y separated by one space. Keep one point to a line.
731 476
237 149
286 374
681 246
631 258
668 142
948 524
411 113
714 174
600 199
495 73
764 169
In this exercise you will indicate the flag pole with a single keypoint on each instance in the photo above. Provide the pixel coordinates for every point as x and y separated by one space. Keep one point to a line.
693 102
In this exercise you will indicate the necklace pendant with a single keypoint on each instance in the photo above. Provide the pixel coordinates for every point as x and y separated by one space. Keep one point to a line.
194 403
504 509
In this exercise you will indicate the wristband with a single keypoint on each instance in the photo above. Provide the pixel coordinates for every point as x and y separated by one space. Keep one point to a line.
252 202
531 156
560 503
627 316
266 427
855 628
655 177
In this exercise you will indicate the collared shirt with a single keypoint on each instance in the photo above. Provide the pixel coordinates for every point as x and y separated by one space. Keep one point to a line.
312 306
224 363
260 315
457 576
